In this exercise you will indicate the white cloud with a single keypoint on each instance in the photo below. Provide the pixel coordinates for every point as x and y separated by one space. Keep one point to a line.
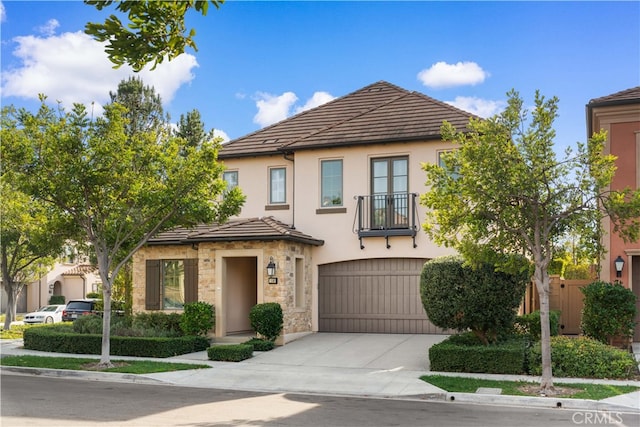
222 134
272 108
480 107
73 68
3 12
443 75
316 100
49 28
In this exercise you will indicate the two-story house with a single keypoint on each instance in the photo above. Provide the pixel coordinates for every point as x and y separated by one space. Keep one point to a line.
331 227
619 115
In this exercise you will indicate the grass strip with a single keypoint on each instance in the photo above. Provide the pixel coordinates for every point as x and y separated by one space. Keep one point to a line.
514 388
87 364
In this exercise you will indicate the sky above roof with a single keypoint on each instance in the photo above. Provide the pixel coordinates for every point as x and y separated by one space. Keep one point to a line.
259 62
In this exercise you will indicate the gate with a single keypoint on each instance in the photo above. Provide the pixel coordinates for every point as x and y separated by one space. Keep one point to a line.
565 297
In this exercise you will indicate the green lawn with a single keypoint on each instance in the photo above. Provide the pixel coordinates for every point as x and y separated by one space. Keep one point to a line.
513 388
86 364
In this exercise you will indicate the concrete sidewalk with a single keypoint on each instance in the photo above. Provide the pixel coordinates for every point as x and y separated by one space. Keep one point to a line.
364 365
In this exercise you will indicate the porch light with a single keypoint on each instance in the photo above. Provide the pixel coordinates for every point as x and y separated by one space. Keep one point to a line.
271 268
619 262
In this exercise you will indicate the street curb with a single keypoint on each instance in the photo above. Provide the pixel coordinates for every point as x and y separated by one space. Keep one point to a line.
538 402
86 375
473 398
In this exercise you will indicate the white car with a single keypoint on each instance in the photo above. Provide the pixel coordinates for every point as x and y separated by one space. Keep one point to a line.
46 314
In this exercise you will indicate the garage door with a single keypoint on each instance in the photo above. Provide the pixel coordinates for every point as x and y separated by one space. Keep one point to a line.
374 296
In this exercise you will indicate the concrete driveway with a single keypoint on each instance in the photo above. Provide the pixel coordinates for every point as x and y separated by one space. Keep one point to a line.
354 350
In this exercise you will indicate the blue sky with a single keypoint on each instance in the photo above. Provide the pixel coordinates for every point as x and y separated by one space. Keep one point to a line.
260 62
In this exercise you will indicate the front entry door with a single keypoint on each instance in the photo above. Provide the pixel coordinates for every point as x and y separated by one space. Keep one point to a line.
241 293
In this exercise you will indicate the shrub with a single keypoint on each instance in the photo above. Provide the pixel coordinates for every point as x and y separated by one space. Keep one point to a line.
467 353
584 358
230 352
96 295
529 324
457 296
198 318
260 344
62 339
609 311
89 324
267 319
57 300
162 324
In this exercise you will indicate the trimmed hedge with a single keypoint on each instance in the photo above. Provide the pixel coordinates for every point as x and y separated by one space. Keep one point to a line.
584 358
465 353
260 344
62 339
230 352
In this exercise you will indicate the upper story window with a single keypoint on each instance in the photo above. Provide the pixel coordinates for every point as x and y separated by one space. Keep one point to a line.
277 185
331 183
231 178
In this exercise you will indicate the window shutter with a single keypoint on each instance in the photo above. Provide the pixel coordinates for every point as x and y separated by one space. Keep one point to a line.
152 294
190 280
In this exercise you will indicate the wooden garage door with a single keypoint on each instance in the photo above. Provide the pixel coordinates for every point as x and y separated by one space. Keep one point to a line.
374 296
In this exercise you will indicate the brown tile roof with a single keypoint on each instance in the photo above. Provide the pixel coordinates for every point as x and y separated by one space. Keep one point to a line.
248 229
628 96
80 270
378 113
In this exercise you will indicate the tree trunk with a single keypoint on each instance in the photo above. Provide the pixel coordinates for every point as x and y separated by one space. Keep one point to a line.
105 358
12 290
542 285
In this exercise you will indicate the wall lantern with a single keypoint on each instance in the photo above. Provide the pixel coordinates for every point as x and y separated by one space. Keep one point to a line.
271 272
619 262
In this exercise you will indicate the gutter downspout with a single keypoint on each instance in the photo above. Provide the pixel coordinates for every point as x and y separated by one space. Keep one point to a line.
293 201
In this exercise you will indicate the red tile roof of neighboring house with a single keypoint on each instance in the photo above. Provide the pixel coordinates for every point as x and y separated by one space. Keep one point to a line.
80 270
250 229
378 113
628 96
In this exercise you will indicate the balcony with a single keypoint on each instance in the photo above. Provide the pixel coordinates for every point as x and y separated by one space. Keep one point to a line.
386 215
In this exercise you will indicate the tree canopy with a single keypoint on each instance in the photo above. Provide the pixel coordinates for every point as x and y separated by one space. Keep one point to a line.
117 190
503 189
155 30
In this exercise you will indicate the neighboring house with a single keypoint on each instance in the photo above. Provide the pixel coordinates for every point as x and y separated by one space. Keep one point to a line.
71 276
332 204
619 115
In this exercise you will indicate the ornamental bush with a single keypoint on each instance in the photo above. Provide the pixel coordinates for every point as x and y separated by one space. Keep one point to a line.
198 318
609 311
584 358
480 299
267 320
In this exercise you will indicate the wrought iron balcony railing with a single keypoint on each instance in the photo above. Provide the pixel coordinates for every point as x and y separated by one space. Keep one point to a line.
386 215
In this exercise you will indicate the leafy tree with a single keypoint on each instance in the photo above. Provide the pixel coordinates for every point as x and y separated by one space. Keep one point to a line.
191 128
119 191
29 244
144 107
31 233
155 30
510 193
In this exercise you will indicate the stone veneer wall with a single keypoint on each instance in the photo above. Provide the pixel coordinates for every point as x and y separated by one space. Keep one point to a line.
284 253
